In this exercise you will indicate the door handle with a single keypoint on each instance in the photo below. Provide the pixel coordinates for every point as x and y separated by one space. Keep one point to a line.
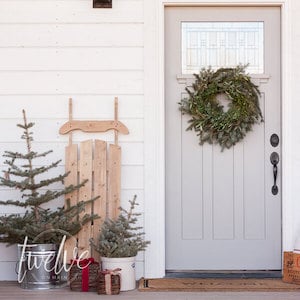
274 161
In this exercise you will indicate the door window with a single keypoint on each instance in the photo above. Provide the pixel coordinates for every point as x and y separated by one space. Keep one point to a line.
222 44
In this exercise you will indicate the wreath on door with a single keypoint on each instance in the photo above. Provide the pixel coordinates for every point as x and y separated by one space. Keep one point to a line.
209 119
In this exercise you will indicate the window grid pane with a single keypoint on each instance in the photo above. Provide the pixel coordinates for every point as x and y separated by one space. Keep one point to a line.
222 44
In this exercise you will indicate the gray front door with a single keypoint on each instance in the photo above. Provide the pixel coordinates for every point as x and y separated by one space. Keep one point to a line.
220 211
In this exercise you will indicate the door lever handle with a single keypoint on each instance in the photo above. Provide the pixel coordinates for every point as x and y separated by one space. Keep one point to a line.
274 158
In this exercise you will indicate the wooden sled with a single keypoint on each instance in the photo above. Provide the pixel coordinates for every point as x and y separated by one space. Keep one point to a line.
100 164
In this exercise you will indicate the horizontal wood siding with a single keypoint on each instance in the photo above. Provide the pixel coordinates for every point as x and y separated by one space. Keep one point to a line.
51 50
99 106
71 35
61 59
69 11
71 82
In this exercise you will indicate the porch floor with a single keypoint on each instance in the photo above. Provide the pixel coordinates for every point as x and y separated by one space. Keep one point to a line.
11 290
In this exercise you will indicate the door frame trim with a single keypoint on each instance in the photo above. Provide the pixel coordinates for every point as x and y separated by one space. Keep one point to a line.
154 122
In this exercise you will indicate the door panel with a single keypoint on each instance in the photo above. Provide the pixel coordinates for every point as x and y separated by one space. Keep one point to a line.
221 214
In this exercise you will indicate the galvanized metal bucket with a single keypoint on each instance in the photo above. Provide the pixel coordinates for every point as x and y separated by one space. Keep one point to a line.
36 266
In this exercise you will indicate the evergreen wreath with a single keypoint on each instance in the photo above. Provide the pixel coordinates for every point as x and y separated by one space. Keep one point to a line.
208 118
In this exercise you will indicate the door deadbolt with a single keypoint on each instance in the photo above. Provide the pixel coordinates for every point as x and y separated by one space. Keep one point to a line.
274 140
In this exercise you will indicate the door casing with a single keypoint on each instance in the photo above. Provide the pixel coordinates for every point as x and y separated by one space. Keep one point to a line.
154 264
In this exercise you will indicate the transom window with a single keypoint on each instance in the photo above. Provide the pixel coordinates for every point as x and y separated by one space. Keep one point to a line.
222 44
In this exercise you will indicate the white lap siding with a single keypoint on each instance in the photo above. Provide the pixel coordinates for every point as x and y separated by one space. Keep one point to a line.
51 50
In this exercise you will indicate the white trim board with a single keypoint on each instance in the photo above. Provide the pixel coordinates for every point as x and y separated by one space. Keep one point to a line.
155 123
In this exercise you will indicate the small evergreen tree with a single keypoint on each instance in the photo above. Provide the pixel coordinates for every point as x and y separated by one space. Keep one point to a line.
120 237
39 224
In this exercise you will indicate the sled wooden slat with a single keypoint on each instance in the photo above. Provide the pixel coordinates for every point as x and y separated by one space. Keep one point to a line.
114 180
85 192
100 186
100 190
71 166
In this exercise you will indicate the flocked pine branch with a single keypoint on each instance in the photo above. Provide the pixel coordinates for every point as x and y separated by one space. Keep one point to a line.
121 237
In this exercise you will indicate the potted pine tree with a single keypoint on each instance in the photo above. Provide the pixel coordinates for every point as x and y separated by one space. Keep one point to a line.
119 242
39 231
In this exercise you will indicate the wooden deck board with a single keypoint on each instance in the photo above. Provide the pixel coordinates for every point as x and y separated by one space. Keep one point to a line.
12 291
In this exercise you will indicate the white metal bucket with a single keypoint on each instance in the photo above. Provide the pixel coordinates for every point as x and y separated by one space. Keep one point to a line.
127 266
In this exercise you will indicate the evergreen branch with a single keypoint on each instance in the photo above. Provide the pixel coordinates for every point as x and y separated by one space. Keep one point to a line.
14 202
27 185
14 184
37 155
28 171
25 156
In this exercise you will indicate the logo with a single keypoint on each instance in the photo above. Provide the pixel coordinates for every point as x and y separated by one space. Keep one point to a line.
51 263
